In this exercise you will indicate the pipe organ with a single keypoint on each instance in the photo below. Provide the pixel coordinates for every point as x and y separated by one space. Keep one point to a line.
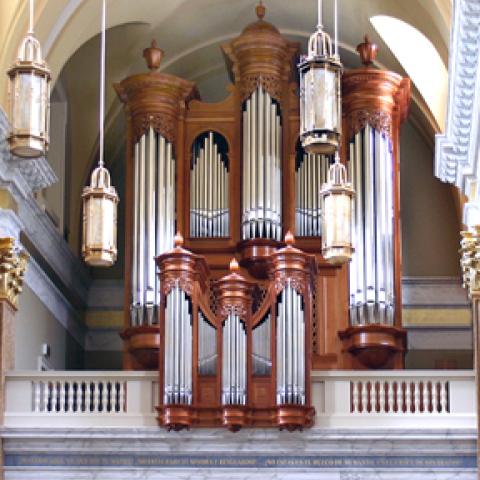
234 343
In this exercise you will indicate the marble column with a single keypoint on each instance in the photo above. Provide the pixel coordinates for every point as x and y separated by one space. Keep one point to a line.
13 262
470 264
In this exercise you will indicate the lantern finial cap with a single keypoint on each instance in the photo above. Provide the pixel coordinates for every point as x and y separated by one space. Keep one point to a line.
234 266
367 51
260 10
289 239
153 56
178 240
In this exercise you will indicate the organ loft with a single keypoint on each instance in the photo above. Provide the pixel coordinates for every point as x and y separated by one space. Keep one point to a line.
228 294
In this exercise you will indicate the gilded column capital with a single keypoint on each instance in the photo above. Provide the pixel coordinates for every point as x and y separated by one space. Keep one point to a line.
13 263
470 260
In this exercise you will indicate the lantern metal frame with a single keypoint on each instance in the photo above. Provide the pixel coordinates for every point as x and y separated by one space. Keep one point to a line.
321 136
102 251
337 250
100 199
29 91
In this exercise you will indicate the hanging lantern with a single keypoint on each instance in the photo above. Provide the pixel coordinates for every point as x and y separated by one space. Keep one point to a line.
29 96
100 199
337 212
320 95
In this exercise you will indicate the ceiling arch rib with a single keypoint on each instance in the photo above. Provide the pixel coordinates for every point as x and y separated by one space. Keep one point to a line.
419 58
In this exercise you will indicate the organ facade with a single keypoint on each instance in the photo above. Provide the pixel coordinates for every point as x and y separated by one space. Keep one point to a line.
238 308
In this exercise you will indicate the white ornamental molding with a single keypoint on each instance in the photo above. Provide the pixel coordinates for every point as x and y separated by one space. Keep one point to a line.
457 151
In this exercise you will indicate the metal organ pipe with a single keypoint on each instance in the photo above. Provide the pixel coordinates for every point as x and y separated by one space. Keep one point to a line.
153 221
234 361
310 174
372 269
261 208
178 348
290 347
207 346
209 213
261 335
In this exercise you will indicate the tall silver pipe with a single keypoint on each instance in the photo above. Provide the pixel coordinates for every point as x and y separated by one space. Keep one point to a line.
283 340
253 149
354 263
141 231
302 356
294 346
261 164
380 231
273 174
167 349
268 168
361 293
389 219
279 179
135 290
150 227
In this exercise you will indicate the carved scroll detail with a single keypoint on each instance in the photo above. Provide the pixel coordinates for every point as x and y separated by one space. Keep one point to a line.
12 270
169 283
297 281
235 309
161 124
270 83
377 119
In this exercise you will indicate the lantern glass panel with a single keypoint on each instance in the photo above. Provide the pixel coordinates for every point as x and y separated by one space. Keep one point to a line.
320 99
337 219
100 230
100 233
28 115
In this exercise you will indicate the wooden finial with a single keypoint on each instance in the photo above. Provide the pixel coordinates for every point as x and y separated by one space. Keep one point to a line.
289 239
153 56
260 10
178 240
367 50
234 267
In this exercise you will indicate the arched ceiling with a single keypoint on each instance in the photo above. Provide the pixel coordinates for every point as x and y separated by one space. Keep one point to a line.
190 32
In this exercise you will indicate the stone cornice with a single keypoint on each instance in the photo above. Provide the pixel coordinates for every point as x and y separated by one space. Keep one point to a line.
456 156
21 178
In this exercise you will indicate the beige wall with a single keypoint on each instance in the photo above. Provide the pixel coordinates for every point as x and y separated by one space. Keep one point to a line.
35 325
430 229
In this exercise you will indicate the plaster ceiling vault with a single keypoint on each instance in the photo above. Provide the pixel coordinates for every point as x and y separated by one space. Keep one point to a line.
190 32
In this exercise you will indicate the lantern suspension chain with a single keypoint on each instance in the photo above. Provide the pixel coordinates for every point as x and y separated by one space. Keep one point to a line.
102 84
30 27
335 20
319 23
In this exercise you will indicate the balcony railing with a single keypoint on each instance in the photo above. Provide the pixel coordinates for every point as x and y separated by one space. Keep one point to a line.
343 399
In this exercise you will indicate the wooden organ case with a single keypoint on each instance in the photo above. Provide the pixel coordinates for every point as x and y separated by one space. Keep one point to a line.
235 342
